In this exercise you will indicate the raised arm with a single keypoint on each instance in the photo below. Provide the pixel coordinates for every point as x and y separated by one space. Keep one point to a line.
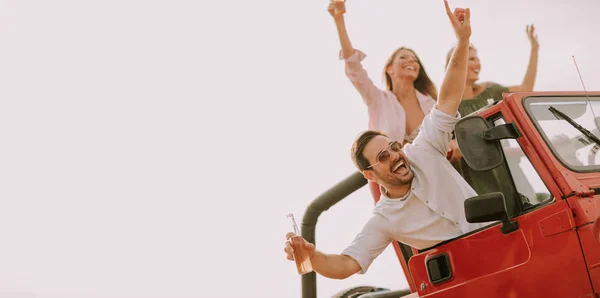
454 81
328 265
529 79
337 9
354 69
438 125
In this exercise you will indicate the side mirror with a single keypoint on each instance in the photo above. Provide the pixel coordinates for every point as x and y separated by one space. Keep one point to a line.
489 207
480 154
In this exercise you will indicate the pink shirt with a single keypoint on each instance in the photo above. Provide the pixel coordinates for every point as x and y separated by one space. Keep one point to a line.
386 114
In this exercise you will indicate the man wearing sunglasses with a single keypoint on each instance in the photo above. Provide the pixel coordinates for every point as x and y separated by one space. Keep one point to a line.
422 195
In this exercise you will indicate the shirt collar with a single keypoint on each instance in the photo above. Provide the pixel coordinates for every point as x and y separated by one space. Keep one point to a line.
384 194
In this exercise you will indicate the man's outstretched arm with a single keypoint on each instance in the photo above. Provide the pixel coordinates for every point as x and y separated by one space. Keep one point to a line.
328 265
453 85
334 266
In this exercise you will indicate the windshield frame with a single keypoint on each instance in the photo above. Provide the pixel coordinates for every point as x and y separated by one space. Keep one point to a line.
528 100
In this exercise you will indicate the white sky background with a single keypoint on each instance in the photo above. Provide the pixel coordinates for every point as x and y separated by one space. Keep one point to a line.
153 148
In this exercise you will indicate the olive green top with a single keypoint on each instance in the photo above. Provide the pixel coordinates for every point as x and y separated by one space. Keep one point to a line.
493 91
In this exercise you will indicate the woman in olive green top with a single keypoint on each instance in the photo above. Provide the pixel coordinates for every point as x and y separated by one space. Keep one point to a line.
477 96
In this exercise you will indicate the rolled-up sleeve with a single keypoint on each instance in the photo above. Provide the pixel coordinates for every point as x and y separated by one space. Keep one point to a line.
436 131
368 244
360 79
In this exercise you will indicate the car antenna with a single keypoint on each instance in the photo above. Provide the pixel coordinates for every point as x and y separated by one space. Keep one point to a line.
586 93
580 78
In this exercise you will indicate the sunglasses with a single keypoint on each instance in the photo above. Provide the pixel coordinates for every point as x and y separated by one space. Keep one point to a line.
385 154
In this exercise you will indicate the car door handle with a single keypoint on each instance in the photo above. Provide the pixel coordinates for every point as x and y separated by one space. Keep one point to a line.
439 268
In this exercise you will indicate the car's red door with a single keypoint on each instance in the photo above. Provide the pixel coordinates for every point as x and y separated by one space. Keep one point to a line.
543 258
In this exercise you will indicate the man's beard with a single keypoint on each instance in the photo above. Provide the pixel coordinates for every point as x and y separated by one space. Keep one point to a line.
393 180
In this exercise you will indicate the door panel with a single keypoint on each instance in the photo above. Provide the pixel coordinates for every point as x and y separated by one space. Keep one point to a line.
524 263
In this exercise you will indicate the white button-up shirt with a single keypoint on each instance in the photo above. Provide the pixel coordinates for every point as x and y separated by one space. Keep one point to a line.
432 211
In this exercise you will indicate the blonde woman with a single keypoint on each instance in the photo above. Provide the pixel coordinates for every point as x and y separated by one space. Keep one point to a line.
409 95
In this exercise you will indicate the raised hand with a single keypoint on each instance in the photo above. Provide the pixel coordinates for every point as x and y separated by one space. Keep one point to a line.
530 29
460 20
337 8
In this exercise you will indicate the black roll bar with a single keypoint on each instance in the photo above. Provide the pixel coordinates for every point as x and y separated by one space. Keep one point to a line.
309 222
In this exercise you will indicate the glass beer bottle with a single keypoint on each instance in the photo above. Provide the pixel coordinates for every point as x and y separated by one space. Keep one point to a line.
301 256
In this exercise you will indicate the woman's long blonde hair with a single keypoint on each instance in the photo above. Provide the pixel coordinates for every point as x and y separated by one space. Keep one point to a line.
423 83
